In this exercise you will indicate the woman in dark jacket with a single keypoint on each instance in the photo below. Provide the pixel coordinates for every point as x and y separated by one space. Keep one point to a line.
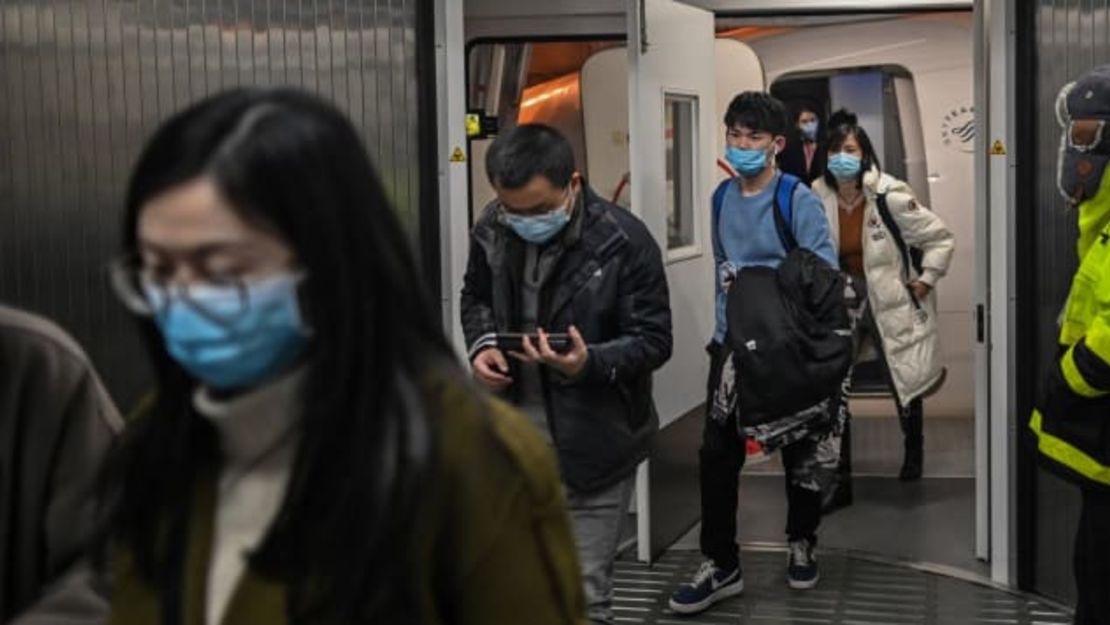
804 155
313 453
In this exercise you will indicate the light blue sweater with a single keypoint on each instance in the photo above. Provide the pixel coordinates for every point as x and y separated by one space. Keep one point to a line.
746 235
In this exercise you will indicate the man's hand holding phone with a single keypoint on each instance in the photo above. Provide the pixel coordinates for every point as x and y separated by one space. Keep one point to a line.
491 369
569 363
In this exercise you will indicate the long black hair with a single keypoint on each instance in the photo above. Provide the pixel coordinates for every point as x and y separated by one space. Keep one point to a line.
289 160
843 124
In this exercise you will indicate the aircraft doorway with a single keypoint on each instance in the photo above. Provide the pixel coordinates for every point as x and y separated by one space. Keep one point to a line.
918 71
908 78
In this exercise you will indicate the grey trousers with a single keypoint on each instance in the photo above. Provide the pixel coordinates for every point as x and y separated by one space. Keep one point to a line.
597 519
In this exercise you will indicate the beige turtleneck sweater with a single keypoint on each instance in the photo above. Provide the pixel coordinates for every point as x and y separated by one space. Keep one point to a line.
258 438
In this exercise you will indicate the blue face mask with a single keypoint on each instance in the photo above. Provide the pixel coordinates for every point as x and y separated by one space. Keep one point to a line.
844 166
747 163
229 337
809 130
539 229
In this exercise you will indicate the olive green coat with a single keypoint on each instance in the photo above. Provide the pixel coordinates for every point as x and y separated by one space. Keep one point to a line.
494 545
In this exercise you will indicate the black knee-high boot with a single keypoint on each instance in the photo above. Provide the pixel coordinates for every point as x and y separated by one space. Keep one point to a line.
912 426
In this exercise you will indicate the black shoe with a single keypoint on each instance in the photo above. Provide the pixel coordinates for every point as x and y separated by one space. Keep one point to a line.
801 566
912 463
913 425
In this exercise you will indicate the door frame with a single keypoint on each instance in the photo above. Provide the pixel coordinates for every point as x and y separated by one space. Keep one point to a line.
429 238
452 176
996 232
996 63
999 397
651 78
1025 526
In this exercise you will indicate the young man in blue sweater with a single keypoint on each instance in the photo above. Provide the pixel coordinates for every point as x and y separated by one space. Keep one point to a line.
745 234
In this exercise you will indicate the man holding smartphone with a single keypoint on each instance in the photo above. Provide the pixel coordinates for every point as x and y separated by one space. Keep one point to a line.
549 255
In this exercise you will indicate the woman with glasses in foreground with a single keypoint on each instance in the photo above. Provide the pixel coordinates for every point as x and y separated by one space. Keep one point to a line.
313 453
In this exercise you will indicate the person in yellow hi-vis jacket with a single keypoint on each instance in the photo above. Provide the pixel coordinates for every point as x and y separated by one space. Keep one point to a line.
1072 422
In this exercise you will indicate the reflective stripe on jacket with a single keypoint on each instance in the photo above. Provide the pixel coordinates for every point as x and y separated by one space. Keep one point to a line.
1071 425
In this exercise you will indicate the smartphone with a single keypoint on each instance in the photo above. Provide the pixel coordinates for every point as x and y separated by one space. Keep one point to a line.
514 341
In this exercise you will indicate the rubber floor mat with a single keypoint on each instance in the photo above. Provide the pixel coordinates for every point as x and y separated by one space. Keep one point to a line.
852 591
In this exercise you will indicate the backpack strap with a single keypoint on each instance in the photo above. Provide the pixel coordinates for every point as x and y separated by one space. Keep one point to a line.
784 211
895 232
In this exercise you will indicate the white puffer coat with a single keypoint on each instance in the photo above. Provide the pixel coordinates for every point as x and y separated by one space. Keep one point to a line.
910 335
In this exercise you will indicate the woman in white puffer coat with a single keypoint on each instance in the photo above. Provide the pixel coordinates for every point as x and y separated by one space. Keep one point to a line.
898 316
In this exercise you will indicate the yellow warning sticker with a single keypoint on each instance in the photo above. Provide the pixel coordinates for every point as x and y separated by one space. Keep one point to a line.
457 155
473 125
997 148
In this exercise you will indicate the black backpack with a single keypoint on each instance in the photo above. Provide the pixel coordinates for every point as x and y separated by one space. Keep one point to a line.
788 329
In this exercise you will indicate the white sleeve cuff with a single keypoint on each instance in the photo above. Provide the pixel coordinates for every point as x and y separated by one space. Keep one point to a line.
484 342
929 276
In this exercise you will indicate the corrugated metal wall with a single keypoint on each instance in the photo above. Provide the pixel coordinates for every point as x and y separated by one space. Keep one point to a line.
1070 36
83 82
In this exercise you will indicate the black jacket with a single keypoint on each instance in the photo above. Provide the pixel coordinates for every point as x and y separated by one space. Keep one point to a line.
790 332
1071 431
609 282
793 159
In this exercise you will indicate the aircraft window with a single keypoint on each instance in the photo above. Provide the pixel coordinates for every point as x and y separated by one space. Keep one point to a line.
680 129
